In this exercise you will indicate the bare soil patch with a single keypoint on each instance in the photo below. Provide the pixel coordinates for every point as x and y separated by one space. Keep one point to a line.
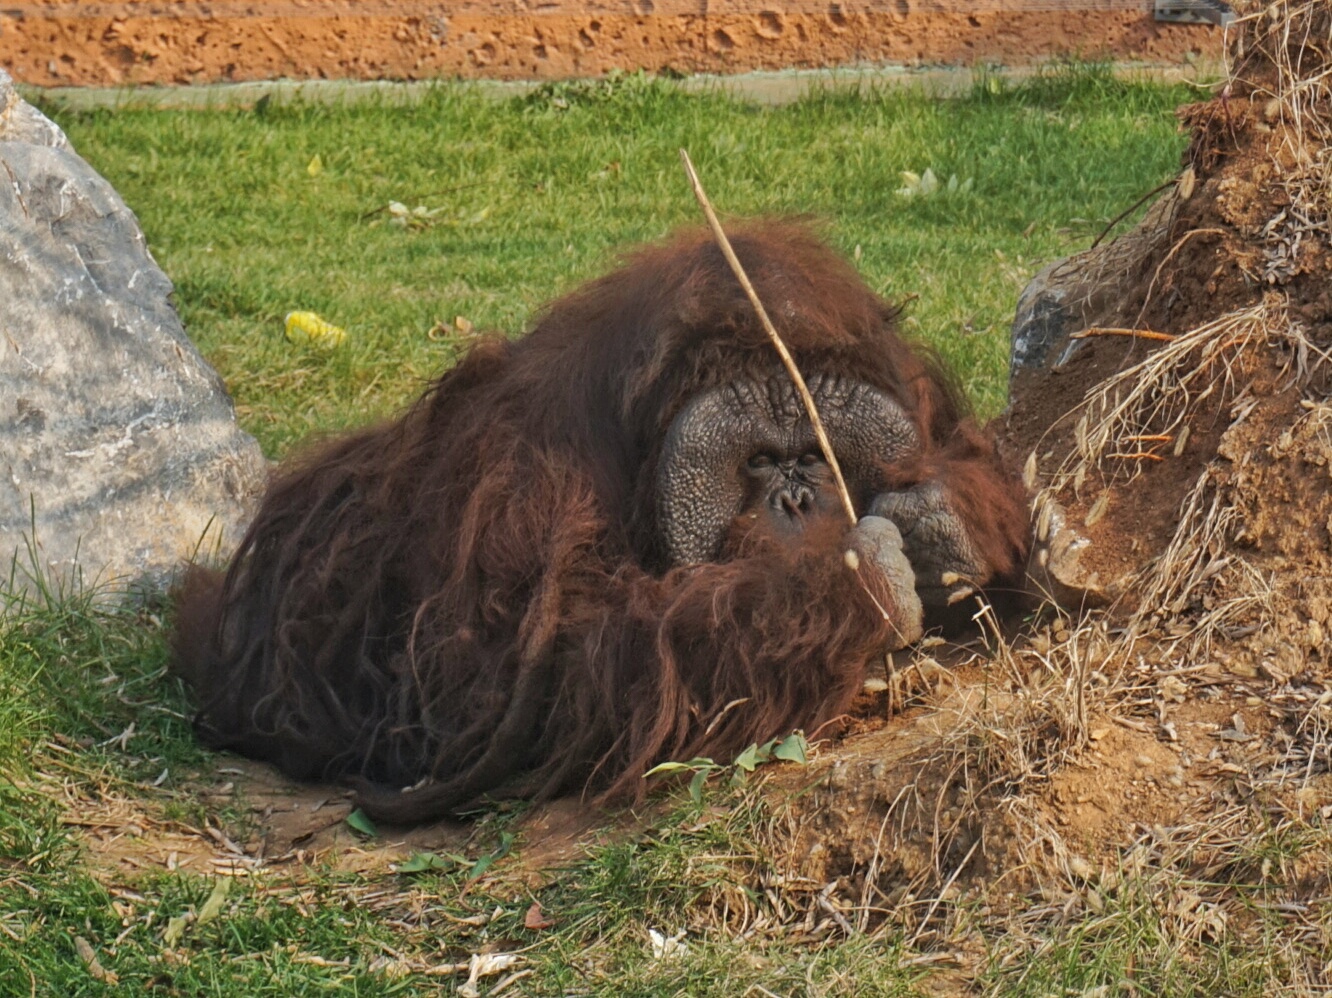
260 822
53 43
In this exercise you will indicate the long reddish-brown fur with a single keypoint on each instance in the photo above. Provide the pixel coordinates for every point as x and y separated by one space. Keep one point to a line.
476 594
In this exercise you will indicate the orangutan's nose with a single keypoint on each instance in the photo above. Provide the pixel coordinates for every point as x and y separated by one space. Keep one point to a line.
794 499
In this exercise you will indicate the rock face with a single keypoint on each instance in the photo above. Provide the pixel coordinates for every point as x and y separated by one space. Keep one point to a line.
119 451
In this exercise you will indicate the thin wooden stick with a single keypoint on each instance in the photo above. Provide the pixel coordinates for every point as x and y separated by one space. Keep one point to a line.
771 330
1141 334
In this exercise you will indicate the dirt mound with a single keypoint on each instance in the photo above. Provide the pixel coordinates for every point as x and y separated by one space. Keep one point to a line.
1185 439
1181 460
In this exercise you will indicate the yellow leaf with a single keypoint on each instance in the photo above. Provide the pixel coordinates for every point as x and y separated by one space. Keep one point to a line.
213 906
175 929
316 166
307 328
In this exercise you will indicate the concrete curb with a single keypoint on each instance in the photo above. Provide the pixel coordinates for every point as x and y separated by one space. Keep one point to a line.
772 88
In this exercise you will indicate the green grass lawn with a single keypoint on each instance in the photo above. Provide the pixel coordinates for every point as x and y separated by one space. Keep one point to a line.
254 213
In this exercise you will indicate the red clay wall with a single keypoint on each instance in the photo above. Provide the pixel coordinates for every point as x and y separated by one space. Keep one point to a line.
56 42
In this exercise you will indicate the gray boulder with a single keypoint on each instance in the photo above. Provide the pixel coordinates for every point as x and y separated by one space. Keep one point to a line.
1080 291
119 451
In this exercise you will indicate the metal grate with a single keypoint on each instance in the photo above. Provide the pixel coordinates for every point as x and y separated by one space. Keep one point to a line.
1195 11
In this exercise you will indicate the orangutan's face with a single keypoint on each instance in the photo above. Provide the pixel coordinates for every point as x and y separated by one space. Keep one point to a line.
747 451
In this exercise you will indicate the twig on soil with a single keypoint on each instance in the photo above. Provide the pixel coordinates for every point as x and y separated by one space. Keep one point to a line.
1155 397
1141 334
787 360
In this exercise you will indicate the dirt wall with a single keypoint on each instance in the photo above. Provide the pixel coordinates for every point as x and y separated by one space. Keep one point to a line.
58 43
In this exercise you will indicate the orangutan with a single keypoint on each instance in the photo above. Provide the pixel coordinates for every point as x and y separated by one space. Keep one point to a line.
611 542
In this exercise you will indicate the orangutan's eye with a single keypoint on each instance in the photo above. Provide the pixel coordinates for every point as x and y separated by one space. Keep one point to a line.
811 457
761 461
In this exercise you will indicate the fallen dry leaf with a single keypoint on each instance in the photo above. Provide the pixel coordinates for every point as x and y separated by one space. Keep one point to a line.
535 920
89 957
